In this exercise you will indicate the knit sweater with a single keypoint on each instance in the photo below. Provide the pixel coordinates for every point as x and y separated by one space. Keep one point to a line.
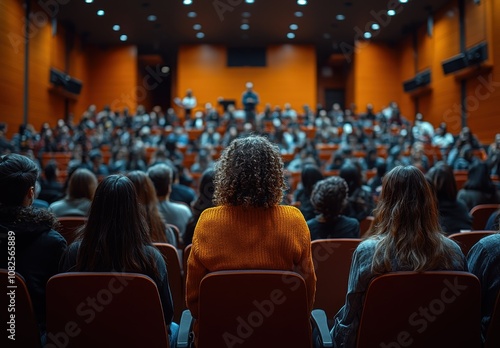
237 238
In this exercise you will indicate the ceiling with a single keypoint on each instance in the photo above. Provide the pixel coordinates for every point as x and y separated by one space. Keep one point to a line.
268 20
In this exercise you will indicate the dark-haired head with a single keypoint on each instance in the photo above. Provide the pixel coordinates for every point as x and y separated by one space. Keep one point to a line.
329 197
443 181
206 188
310 176
82 184
249 173
479 179
352 175
50 171
18 175
161 175
116 232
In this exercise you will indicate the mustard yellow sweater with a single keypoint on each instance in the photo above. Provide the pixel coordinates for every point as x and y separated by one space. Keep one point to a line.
234 238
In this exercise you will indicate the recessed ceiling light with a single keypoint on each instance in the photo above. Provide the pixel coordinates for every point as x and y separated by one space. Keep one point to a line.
152 18
375 26
100 12
187 2
116 27
340 17
165 69
245 26
197 26
123 37
367 35
298 14
290 35
191 14
200 35
249 1
89 1
301 2
391 13
246 15
403 1
294 27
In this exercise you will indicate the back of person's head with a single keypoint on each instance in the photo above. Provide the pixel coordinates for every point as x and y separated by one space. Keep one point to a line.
116 228
381 168
161 175
352 175
146 195
50 171
206 189
479 179
249 173
443 181
329 197
82 184
406 219
310 176
18 175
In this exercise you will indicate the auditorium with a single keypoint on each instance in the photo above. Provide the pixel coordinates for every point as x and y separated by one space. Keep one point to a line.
250 173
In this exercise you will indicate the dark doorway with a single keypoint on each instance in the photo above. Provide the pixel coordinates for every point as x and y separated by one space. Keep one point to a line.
333 96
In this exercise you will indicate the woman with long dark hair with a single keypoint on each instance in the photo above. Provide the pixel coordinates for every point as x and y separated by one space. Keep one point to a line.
116 238
309 177
407 237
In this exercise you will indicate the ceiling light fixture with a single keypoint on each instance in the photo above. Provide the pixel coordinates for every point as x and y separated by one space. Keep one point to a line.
391 13
187 2
249 1
298 14
123 37
294 27
340 17
290 35
152 18
375 26
367 35
301 2
116 27
192 14
197 27
100 12
245 26
200 35
89 1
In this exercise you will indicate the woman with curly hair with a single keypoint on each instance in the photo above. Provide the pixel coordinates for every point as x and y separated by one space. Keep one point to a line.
329 198
248 229
146 194
407 237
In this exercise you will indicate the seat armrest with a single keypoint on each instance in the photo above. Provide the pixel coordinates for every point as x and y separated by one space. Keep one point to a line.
319 321
185 327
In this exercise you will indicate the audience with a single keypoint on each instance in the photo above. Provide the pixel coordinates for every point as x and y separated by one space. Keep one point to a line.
81 188
248 229
407 237
146 195
484 261
329 198
453 213
176 214
51 189
38 247
118 230
479 189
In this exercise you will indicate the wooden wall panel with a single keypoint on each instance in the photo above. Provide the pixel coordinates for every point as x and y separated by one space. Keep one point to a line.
290 75
407 71
377 76
113 77
475 22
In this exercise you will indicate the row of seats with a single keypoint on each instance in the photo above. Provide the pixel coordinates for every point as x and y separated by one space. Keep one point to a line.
253 308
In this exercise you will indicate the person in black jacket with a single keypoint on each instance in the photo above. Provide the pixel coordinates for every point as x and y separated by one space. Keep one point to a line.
38 247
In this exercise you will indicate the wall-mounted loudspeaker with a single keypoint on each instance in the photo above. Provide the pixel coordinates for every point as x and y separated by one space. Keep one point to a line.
68 83
422 79
473 56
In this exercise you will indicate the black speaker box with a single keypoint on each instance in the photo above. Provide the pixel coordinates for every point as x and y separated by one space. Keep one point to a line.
420 80
70 84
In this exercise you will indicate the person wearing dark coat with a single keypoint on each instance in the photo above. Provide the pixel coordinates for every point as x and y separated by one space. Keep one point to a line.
38 247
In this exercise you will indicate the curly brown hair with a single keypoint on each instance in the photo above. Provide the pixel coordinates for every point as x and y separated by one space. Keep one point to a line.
249 173
329 197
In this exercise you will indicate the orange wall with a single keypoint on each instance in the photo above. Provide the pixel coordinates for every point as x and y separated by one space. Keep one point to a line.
376 75
290 75
113 77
